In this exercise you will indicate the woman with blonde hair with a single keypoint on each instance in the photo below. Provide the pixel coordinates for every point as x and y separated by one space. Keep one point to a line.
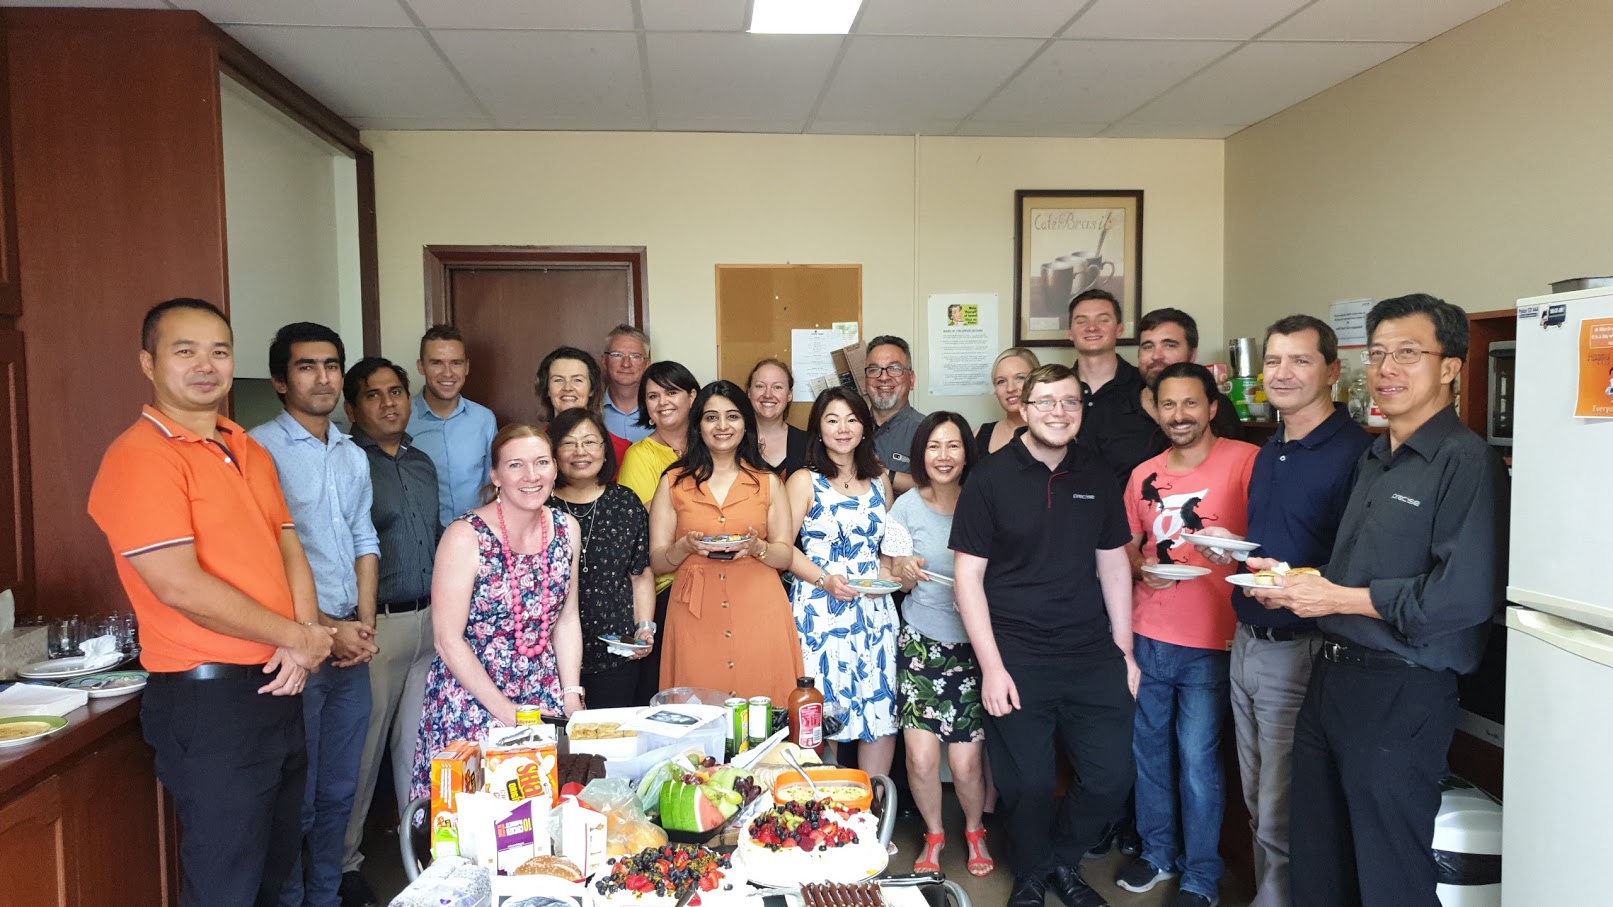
1007 382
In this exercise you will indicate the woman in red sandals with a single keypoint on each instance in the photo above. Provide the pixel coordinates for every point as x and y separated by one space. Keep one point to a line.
939 679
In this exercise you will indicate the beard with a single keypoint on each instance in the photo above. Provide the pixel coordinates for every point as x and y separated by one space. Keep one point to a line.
886 403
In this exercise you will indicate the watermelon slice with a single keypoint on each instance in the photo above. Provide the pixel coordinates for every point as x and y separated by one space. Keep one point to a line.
685 807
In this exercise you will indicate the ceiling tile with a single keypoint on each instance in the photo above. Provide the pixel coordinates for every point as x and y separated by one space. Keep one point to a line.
905 80
1049 128
372 13
1098 81
581 15
1227 20
1260 80
362 72
565 80
694 15
699 78
981 18
1379 20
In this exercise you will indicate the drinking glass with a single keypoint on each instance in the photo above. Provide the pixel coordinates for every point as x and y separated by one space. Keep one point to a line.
126 633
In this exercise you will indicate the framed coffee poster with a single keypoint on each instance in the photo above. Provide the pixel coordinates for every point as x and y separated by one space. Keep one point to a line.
1068 241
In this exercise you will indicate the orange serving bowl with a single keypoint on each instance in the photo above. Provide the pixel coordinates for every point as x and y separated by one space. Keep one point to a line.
846 786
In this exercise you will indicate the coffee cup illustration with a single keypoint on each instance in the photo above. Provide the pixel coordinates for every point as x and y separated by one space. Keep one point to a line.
1087 270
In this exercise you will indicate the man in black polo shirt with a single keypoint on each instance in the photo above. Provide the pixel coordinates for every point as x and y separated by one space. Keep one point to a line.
1405 605
1115 425
1165 337
1301 482
1044 588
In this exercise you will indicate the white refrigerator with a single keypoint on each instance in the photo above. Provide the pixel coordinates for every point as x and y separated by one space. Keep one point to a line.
1558 832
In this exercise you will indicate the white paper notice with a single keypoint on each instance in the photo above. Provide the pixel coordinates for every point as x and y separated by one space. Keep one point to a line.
1349 317
811 358
848 333
963 343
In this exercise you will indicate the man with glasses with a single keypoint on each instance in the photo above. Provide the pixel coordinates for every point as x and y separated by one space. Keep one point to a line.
627 354
1404 605
888 374
1043 585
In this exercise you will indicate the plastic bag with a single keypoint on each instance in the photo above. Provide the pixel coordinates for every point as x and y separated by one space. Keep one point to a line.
649 788
627 830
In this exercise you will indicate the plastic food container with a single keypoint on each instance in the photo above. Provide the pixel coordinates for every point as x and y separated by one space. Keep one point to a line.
609 747
846 786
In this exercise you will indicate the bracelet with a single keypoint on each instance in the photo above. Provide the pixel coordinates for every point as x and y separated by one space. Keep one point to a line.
578 690
822 580
647 625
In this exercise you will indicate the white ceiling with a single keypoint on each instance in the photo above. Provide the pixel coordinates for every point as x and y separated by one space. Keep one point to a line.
1112 68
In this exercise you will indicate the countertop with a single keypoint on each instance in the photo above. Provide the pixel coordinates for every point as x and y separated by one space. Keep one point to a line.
23 766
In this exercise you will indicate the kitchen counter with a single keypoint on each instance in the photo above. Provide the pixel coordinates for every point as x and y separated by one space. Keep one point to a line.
83 820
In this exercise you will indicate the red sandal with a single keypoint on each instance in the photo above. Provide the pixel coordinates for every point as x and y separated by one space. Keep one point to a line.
980 863
930 859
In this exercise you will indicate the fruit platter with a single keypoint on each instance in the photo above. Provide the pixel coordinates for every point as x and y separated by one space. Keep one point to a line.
660 875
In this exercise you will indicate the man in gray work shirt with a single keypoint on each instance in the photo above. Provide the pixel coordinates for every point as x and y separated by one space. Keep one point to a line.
405 514
1404 605
889 377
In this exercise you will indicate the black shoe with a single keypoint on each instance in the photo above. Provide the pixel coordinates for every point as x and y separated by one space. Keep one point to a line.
1073 890
1104 845
354 891
1130 843
1029 891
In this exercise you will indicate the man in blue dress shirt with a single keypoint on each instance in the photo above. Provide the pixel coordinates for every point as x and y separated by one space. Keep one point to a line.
455 433
326 480
627 355
1301 482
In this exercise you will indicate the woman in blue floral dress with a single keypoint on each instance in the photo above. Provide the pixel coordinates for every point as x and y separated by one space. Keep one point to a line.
848 641
504 608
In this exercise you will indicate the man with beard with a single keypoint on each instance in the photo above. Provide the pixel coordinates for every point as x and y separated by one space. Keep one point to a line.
1044 589
1166 337
1184 630
889 376
326 480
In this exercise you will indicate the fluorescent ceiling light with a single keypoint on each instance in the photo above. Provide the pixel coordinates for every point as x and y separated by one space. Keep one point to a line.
803 17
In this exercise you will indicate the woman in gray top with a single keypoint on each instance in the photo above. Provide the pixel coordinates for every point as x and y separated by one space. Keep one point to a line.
938 679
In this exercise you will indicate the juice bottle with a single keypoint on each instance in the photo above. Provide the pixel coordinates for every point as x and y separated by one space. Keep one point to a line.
805 705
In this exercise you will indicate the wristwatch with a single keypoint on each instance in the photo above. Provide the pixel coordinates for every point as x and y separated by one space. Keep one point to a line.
578 690
822 580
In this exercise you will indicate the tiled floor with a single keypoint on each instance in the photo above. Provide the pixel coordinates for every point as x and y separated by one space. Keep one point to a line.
384 869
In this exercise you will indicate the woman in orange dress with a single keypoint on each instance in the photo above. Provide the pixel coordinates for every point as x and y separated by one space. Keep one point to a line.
729 625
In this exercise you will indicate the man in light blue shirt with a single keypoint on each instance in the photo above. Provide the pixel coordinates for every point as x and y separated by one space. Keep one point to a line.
326 480
455 433
627 355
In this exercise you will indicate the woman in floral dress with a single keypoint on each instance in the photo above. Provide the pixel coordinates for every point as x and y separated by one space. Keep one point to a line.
504 608
848 641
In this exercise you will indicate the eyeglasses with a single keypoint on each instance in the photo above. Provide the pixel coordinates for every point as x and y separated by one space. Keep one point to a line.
588 445
1069 404
895 371
618 355
1403 356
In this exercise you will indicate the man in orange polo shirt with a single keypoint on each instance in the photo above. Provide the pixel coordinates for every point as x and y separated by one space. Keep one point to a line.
210 560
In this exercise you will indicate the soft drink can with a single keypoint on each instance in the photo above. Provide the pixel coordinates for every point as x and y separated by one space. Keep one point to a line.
760 720
737 708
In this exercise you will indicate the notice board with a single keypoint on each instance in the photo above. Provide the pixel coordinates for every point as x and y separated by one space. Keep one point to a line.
759 305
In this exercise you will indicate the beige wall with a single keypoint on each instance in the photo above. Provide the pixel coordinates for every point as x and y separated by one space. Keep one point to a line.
922 216
1474 167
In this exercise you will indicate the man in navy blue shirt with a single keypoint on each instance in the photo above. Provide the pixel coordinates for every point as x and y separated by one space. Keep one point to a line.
1301 482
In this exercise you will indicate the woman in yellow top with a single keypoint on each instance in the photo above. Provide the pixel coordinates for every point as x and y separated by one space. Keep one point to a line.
665 397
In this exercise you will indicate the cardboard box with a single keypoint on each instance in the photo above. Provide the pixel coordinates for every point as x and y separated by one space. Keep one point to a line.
523 825
21 647
582 837
455 770
520 891
522 766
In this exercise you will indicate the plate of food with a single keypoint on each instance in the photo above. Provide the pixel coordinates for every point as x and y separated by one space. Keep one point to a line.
658 876
623 644
799 842
28 728
726 542
108 683
1237 549
1175 571
1270 578
874 587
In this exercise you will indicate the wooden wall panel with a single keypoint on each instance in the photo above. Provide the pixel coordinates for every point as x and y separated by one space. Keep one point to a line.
10 294
16 533
120 204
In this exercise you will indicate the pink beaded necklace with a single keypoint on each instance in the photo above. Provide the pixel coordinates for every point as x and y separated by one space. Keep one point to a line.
512 591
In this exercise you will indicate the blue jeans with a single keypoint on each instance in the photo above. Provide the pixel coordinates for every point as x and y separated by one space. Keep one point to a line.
1181 704
336 717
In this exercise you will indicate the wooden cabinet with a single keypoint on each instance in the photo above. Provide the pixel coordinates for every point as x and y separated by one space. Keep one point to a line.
33 849
16 536
10 282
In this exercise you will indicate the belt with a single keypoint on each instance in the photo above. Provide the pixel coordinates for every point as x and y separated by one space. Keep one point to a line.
403 607
211 672
1345 654
1280 634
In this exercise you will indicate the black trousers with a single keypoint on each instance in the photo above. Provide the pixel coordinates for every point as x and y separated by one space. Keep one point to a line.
1086 708
615 688
1369 753
235 763
649 676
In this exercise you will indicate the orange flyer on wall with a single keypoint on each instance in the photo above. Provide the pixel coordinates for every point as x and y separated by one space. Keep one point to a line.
1595 369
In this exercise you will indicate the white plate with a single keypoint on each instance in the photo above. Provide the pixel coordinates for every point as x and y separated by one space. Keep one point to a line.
93 684
937 578
1247 581
626 642
1175 571
1237 549
733 543
874 587
52 724
74 666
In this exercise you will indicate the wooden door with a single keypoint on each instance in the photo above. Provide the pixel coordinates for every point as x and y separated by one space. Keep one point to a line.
33 848
10 283
514 306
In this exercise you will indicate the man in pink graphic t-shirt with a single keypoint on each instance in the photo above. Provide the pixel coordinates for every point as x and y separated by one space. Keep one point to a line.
1184 628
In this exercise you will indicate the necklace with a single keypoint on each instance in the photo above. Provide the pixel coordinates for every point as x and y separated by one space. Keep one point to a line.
583 512
524 642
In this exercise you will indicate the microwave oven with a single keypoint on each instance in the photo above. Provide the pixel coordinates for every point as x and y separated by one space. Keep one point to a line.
1499 419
